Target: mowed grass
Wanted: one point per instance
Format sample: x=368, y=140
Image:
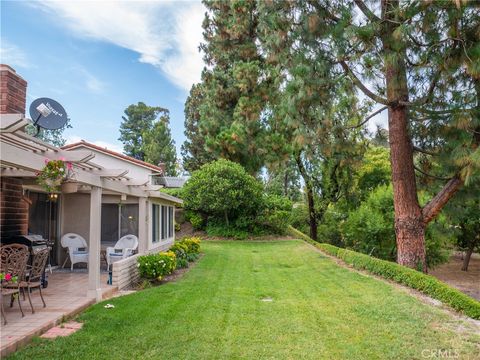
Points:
x=319, y=310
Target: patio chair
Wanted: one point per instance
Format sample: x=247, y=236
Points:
x=77, y=249
x=124, y=248
x=14, y=259
x=34, y=278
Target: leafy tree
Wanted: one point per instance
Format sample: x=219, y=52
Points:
x=312, y=113
x=284, y=180
x=194, y=151
x=138, y=120
x=223, y=191
x=159, y=147
x=232, y=87
x=370, y=229
x=464, y=213
x=54, y=137
x=420, y=61
x=373, y=171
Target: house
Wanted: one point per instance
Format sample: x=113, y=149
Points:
x=117, y=194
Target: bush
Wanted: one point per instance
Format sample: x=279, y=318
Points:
x=222, y=230
x=276, y=213
x=222, y=190
x=156, y=266
x=181, y=252
x=196, y=220
x=370, y=229
x=192, y=243
x=414, y=279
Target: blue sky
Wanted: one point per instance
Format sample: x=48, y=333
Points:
x=96, y=58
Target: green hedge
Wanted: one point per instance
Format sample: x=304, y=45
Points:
x=427, y=284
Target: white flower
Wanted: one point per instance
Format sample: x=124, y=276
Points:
x=109, y=306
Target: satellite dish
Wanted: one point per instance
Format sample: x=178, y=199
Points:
x=47, y=114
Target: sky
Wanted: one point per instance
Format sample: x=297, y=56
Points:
x=97, y=58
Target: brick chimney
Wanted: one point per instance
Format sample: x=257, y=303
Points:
x=13, y=91
x=13, y=204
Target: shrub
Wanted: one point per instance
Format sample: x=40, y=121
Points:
x=192, y=243
x=196, y=220
x=222, y=190
x=370, y=229
x=414, y=279
x=276, y=213
x=181, y=252
x=156, y=266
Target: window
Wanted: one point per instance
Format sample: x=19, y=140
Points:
x=155, y=222
x=118, y=220
x=170, y=221
x=164, y=222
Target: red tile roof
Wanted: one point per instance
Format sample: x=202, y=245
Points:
x=86, y=144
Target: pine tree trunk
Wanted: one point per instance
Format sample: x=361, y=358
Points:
x=409, y=225
x=312, y=218
x=466, y=259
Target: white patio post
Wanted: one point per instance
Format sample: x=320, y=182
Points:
x=142, y=225
x=94, y=288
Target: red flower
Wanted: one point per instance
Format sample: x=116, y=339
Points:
x=8, y=277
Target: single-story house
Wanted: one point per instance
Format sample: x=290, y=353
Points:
x=116, y=195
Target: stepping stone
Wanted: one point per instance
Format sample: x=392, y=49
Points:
x=62, y=330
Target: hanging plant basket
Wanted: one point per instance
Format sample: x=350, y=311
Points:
x=69, y=187
x=55, y=174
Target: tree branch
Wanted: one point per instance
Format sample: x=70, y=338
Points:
x=434, y=206
x=367, y=118
x=362, y=87
x=430, y=175
x=367, y=12
x=416, y=148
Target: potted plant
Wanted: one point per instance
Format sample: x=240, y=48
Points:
x=56, y=175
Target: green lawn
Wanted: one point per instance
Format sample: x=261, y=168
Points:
x=319, y=311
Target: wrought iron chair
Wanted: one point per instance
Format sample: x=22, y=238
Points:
x=14, y=259
x=34, y=279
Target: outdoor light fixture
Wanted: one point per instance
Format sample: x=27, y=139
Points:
x=53, y=197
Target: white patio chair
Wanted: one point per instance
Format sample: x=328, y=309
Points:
x=122, y=249
x=77, y=248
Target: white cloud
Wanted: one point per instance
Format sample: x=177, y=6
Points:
x=110, y=146
x=12, y=55
x=164, y=34
x=92, y=83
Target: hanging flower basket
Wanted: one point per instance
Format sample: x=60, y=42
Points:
x=69, y=187
x=54, y=174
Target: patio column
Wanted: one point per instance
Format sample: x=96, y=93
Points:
x=142, y=225
x=94, y=288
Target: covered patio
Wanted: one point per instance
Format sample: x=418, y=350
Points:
x=65, y=297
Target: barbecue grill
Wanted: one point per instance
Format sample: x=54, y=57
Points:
x=34, y=243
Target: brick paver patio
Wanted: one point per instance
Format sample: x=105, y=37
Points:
x=66, y=295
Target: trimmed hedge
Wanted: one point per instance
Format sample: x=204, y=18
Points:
x=424, y=283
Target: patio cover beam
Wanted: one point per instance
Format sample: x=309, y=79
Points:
x=10, y=123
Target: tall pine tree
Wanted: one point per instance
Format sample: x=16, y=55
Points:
x=233, y=90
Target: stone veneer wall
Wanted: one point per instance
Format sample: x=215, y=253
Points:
x=125, y=272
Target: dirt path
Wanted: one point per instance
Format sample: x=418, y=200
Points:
x=465, y=281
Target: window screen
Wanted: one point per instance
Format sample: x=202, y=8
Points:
x=164, y=222
x=155, y=227
x=170, y=221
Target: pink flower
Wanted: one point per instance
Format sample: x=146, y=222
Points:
x=62, y=158
x=69, y=166
x=46, y=161
x=8, y=277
